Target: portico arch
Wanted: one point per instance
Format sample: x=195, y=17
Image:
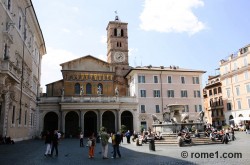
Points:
x=90, y=123
x=71, y=124
x=50, y=121
x=127, y=120
x=108, y=121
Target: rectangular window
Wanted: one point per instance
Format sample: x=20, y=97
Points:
x=200, y=108
x=13, y=114
x=248, y=88
x=229, y=106
x=183, y=80
x=246, y=75
x=239, y=104
x=210, y=92
x=157, y=93
x=237, y=91
x=144, y=125
x=186, y=108
x=197, y=93
x=219, y=89
x=157, y=108
x=248, y=101
x=141, y=79
x=143, y=110
x=195, y=108
x=170, y=93
x=215, y=91
x=143, y=93
x=228, y=92
x=169, y=79
x=184, y=93
x=196, y=80
x=155, y=79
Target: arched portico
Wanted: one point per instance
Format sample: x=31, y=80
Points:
x=50, y=121
x=127, y=120
x=108, y=121
x=90, y=123
x=71, y=124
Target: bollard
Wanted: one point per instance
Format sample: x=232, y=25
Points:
x=152, y=145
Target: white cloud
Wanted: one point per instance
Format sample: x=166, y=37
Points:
x=171, y=16
x=51, y=69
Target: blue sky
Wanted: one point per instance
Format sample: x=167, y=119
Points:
x=192, y=34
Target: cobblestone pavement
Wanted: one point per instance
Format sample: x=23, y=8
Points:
x=31, y=152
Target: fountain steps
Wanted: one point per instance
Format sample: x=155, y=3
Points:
x=172, y=140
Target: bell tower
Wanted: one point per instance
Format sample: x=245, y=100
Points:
x=117, y=42
x=117, y=52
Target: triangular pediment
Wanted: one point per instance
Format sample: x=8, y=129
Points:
x=87, y=63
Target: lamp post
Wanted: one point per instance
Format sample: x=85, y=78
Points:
x=21, y=84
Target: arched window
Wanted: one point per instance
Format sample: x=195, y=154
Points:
x=115, y=32
x=122, y=32
x=88, y=88
x=77, y=88
x=100, y=88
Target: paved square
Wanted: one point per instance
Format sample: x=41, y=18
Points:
x=31, y=152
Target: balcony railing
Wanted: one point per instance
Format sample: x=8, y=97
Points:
x=11, y=69
x=88, y=99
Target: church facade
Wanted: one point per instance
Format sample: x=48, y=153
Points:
x=93, y=93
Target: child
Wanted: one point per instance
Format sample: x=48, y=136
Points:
x=91, y=146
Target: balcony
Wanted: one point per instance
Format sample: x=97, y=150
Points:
x=89, y=99
x=9, y=68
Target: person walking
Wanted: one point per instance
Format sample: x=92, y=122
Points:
x=128, y=135
x=91, y=145
x=104, y=143
x=48, y=143
x=54, y=143
x=81, y=140
x=116, y=140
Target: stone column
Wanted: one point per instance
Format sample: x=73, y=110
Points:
x=82, y=120
x=63, y=120
x=99, y=120
x=118, y=123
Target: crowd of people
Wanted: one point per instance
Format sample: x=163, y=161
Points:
x=224, y=135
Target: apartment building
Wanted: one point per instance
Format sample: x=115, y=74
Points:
x=235, y=78
x=157, y=87
x=213, y=102
x=22, y=47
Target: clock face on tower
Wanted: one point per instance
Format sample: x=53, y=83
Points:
x=119, y=57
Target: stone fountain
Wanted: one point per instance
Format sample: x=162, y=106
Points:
x=174, y=120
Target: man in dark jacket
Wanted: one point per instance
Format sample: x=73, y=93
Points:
x=54, y=143
x=116, y=140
